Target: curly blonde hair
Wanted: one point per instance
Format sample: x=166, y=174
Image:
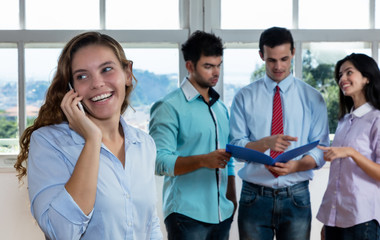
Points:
x=50, y=112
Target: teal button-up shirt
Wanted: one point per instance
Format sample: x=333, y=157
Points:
x=183, y=124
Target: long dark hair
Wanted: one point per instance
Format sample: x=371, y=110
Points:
x=368, y=67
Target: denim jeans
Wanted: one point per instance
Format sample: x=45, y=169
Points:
x=364, y=231
x=266, y=212
x=181, y=227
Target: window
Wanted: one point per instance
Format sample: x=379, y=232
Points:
x=256, y=14
x=9, y=14
x=8, y=95
x=318, y=70
x=240, y=66
x=68, y=14
x=337, y=14
x=142, y=14
x=152, y=32
x=323, y=31
x=40, y=64
x=156, y=71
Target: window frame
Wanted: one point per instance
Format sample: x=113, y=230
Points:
x=193, y=15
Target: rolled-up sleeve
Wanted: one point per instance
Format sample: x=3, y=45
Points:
x=163, y=127
x=54, y=209
x=319, y=130
x=239, y=132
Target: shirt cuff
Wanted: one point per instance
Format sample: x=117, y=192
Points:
x=165, y=165
x=231, y=167
x=317, y=155
x=65, y=205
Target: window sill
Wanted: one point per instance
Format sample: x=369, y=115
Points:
x=7, y=161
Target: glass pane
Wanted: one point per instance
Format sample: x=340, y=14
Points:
x=9, y=14
x=156, y=75
x=327, y=14
x=256, y=14
x=319, y=60
x=377, y=14
x=62, y=14
x=40, y=65
x=142, y=14
x=240, y=67
x=8, y=100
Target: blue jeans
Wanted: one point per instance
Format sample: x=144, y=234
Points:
x=265, y=212
x=364, y=231
x=181, y=227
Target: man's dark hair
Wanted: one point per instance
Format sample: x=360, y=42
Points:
x=201, y=43
x=275, y=36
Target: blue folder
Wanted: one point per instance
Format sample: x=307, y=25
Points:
x=251, y=155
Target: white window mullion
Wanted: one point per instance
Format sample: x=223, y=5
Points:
x=295, y=14
x=372, y=13
x=22, y=12
x=196, y=15
x=102, y=14
x=212, y=15
x=298, y=59
x=372, y=25
x=212, y=22
x=21, y=88
x=375, y=50
x=184, y=23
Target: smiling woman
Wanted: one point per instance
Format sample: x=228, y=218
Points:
x=79, y=164
x=101, y=82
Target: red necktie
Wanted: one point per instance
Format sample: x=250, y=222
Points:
x=277, y=122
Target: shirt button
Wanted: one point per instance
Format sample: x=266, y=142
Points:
x=127, y=196
x=129, y=223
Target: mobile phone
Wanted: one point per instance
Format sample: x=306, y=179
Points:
x=80, y=106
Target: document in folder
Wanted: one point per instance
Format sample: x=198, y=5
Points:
x=251, y=155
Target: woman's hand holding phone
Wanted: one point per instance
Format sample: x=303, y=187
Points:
x=79, y=103
x=78, y=121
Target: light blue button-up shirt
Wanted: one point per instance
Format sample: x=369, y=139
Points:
x=182, y=125
x=304, y=115
x=352, y=196
x=125, y=198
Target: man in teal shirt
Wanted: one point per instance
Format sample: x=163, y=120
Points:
x=190, y=127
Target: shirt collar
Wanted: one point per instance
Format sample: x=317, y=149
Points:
x=130, y=136
x=284, y=84
x=192, y=93
x=362, y=110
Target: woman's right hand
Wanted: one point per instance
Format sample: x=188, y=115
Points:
x=323, y=233
x=78, y=121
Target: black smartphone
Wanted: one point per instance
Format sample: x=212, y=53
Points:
x=79, y=103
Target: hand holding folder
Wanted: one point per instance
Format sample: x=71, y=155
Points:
x=251, y=155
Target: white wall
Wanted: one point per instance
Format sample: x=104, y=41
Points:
x=16, y=222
